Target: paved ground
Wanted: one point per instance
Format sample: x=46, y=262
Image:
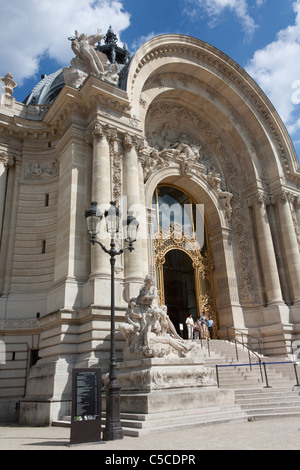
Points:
x=273, y=434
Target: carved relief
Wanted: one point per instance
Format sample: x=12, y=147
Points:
x=117, y=165
x=38, y=170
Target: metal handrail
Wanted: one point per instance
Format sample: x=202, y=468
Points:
x=242, y=333
x=260, y=363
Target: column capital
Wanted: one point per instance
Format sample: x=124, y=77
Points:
x=297, y=201
x=7, y=159
x=96, y=132
x=282, y=197
x=259, y=199
x=130, y=141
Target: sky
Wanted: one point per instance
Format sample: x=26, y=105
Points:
x=262, y=36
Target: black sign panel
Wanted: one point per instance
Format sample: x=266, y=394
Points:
x=86, y=406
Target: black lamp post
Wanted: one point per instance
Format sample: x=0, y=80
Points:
x=113, y=429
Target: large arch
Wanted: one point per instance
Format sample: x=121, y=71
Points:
x=226, y=90
x=183, y=87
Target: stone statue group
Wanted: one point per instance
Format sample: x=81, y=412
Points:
x=148, y=330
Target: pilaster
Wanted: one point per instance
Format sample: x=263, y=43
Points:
x=283, y=200
x=6, y=161
x=71, y=256
x=9, y=222
x=266, y=249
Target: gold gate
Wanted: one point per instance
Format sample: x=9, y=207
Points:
x=175, y=239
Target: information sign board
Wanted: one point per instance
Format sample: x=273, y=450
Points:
x=86, y=406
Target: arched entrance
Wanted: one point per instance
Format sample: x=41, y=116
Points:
x=179, y=288
x=183, y=258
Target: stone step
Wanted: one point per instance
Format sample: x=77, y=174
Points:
x=172, y=426
x=270, y=404
x=137, y=424
x=240, y=399
x=274, y=411
x=166, y=419
x=272, y=415
x=173, y=414
x=259, y=391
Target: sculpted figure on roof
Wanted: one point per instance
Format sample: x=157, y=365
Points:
x=88, y=60
x=84, y=48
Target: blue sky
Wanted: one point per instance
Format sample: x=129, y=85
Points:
x=263, y=36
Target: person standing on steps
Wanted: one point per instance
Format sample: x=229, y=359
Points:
x=190, y=326
x=210, y=324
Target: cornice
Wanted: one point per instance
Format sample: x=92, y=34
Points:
x=21, y=128
x=94, y=93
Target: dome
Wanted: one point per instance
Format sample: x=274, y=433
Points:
x=47, y=89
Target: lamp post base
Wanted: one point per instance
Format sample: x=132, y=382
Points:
x=113, y=429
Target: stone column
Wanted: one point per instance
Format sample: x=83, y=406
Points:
x=134, y=260
x=5, y=162
x=101, y=192
x=266, y=249
x=291, y=247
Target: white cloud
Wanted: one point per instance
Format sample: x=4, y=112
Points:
x=276, y=68
x=137, y=43
x=215, y=9
x=31, y=29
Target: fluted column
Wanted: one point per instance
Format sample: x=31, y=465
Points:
x=266, y=249
x=5, y=162
x=291, y=247
x=134, y=260
x=101, y=191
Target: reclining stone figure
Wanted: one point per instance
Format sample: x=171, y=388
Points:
x=148, y=330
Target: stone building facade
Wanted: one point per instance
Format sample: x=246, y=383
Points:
x=179, y=121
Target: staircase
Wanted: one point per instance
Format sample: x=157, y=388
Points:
x=269, y=403
x=252, y=399
x=276, y=397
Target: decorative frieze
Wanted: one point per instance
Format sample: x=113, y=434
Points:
x=40, y=171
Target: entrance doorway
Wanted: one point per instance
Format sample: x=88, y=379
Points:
x=184, y=267
x=179, y=288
